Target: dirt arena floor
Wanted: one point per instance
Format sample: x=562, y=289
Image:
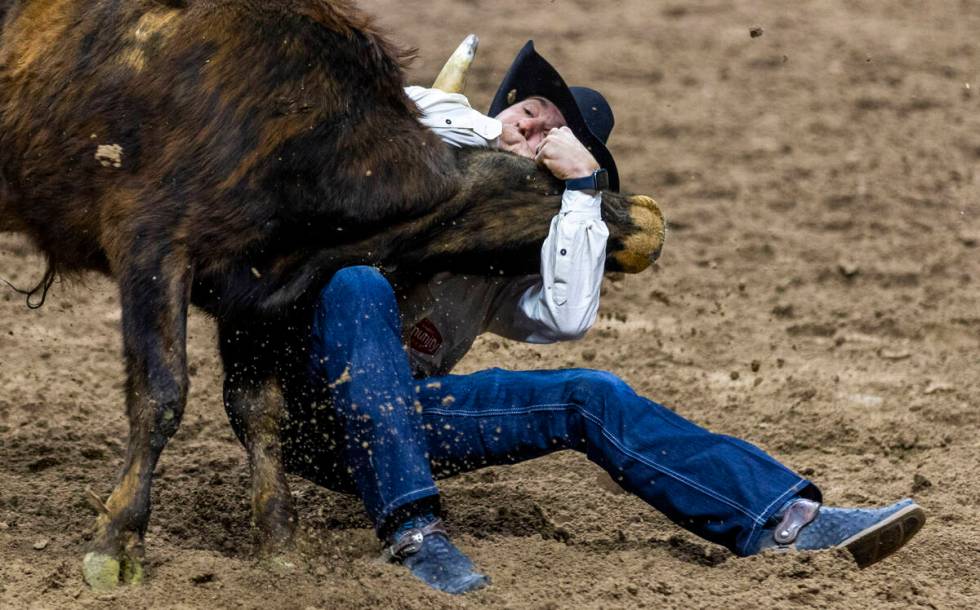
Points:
x=819, y=295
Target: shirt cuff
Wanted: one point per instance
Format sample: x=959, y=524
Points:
x=582, y=202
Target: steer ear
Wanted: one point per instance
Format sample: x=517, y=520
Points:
x=452, y=78
x=636, y=233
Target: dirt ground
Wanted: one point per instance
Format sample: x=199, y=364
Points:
x=819, y=295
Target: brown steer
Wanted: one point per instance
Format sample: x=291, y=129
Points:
x=234, y=154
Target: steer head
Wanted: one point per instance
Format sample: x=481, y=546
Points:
x=494, y=224
x=503, y=210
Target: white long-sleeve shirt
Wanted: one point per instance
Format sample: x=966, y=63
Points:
x=443, y=317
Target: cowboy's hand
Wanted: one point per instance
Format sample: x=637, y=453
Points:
x=565, y=156
x=512, y=140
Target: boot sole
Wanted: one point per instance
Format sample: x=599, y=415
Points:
x=885, y=537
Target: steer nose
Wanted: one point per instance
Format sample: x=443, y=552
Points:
x=643, y=245
x=656, y=254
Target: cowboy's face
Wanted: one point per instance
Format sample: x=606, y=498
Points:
x=526, y=124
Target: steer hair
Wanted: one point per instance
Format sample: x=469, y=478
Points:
x=241, y=130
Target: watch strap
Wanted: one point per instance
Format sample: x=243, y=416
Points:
x=597, y=181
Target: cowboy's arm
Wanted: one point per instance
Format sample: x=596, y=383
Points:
x=452, y=118
x=562, y=302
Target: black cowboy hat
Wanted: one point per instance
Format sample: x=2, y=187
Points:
x=585, y=110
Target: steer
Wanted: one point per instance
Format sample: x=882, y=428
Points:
x=233, y=155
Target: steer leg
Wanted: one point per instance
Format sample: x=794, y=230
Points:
x=154, y=293
x=255, y=405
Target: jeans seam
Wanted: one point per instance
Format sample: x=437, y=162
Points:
x=488, y=413
x=756, y=519
x=748, y=513
x=377, y=480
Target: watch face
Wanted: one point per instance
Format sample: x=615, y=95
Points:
x=601, y=180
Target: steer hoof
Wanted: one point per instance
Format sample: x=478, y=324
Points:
x=104, y=572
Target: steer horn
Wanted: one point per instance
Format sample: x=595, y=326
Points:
x=452, y=78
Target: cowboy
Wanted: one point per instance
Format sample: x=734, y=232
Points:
x=398, y=420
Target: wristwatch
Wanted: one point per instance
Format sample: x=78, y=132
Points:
x=597, y=181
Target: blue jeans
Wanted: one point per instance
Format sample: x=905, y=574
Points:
x=399, y=433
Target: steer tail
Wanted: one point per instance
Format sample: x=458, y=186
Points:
x=39, y=293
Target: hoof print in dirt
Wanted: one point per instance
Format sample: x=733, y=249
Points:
x=281, y=564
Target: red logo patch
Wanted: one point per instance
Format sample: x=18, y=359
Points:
x=425, y=337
